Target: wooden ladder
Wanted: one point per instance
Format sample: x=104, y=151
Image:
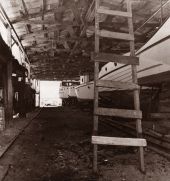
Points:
x=133, y=86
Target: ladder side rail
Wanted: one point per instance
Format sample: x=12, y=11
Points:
x=96, y=91
x=136, y=92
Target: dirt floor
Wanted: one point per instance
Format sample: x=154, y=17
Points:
x=56, y=147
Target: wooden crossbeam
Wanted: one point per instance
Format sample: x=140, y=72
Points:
x=76, y=12
x=123, y=113
x=41, y=40
x=88, y=18
x=55, y=77
x=117, y=84
x=43, y=10
x=35, y=15
x=102, y=140
x=44, y=22
x=101, y=10
x=41, y=49
x=108, y=57
x=115, y=35
x=24, y=7
x=49, y=30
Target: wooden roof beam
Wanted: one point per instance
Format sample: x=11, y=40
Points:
x=45, y=22
x=44, y=41
x=25, y=11
x=57, y=72
x=43, y=10
x=153, y=15
x=35, y=15
x=89, y=14
x=49, y=30
x=59, y=78
x=76, y=13
x=24, y=7
x=49, y=71
x=50, y=48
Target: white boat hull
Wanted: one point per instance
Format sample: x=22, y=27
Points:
x=64, y=92
x=72, y=92
x=153, y=58
x=85, y=91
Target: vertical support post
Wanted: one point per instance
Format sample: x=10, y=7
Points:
x=9, y=91
x=136, y=92
x=39, y=92
x=95, y=126
x=22, y=101
x=5, y=97
x=9, y=81
x=96, y=93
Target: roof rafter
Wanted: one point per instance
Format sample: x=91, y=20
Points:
x=36, y=15
x=50, y=29
x=23, y=8
x=43, y=10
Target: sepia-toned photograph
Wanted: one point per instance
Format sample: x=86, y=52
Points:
x=85, y=90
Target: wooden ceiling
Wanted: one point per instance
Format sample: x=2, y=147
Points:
x=58, y=35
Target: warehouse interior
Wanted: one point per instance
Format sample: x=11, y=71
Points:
x=84, y=90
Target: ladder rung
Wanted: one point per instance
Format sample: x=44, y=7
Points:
x=114, y=13
x=123, y=113
x=117, y=84
x=109, y=57
x=115, y=35
x=102, y=140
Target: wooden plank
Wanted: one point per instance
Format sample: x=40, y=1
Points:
x=115, y=35
x=123, y=113
x=37, y=34
x=114, y=13
x=102, y=140
x=23, y=8
x=43, y=22
x=43, y=10
x=109, y=57
x=36, y=15
x=160, y=115
x=117, y=84
x=76, y=13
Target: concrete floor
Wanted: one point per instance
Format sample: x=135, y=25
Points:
x=56, y=147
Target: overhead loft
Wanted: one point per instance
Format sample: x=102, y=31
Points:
x=58, y=35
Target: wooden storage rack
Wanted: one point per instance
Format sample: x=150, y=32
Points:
x=133, y=86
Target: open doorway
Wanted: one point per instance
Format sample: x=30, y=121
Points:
x=49, y=94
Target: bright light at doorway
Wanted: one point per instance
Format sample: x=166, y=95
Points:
x=49, y=94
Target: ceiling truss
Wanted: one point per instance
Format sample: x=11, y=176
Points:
x=58, y=35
